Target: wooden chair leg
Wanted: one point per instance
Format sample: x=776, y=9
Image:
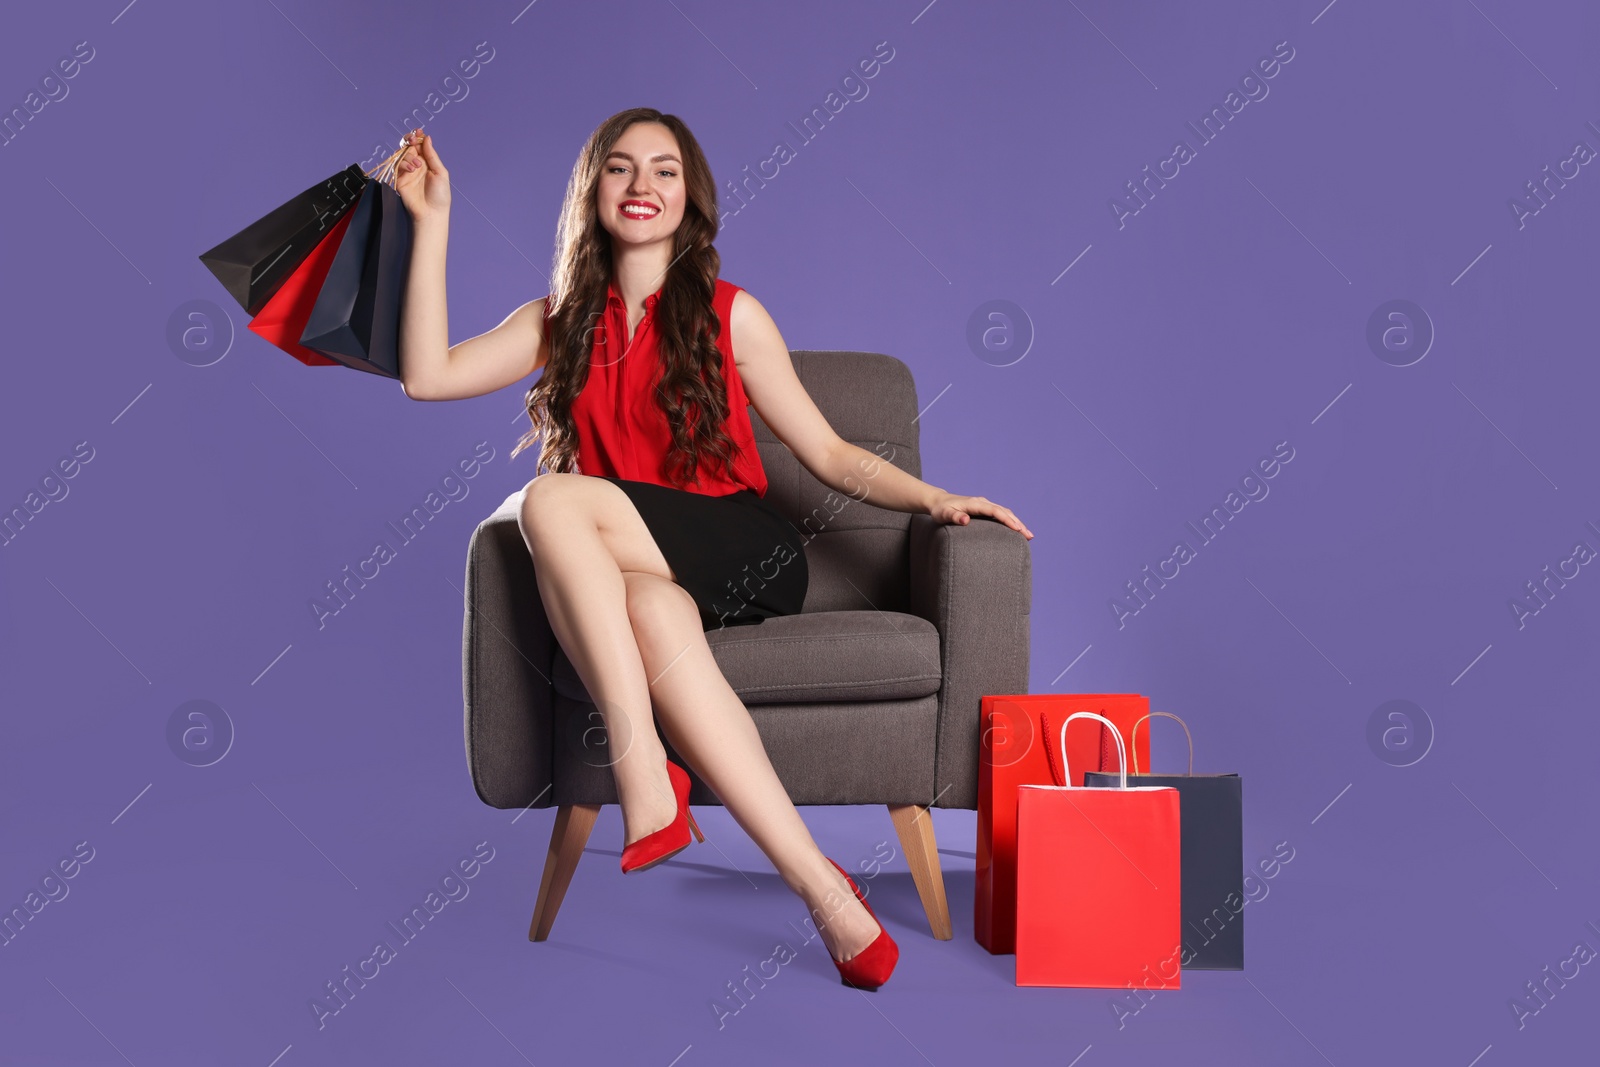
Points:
x=567, y=838
x=914, y=825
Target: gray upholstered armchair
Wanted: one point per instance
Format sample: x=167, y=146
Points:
x=869, y=696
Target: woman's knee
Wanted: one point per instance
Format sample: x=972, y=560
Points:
x=658, y=606
x=548, y=499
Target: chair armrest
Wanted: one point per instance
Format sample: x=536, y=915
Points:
x=974, y=583
x=507, y=651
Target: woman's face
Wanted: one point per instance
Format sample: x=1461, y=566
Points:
x=641, y=196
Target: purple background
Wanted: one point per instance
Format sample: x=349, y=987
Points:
x=1229, y=314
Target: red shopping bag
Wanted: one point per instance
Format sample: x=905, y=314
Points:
x=1098, y=882
x=1013, y=751
x=284, y=317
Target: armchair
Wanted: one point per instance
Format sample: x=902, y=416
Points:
x=869, y=695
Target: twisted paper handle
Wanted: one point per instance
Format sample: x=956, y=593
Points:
x=1122, y=755
x=386, y=171
x=1174, y=718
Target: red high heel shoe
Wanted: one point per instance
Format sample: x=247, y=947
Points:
x=871, y=967
x=671, y=839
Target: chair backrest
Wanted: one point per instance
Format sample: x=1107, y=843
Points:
x=858, y=555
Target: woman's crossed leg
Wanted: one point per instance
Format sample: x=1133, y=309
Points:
x=635, y=638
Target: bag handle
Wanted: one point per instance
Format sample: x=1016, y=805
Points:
x=385, y=171
x=1174, y=718
x=1122, y=755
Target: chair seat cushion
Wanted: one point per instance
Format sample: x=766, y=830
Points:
x=816, y=657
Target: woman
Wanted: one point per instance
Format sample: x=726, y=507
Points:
x=654, y=497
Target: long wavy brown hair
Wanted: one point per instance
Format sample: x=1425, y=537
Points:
x=692, y=391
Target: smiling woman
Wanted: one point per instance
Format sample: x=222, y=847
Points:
x=665, y=422
x=650, y=525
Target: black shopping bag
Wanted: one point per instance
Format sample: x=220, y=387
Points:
x=254, y=262
x=1211, y=833
x=356, y=319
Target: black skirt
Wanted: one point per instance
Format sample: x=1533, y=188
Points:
x=739, y=559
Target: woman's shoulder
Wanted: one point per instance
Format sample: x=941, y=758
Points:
x=722, y=299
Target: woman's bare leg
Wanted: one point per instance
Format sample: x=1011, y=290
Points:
x=711, y=729
x=581, y=533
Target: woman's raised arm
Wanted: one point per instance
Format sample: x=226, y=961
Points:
x=430, y=367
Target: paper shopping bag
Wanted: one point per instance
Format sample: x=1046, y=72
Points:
x=284, y=316
x=254, y=262
x=1212, y=812
x=1012, y=752
x=1098, y=883
x=356, y=320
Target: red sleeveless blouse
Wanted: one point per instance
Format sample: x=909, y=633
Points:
x=622, y=431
